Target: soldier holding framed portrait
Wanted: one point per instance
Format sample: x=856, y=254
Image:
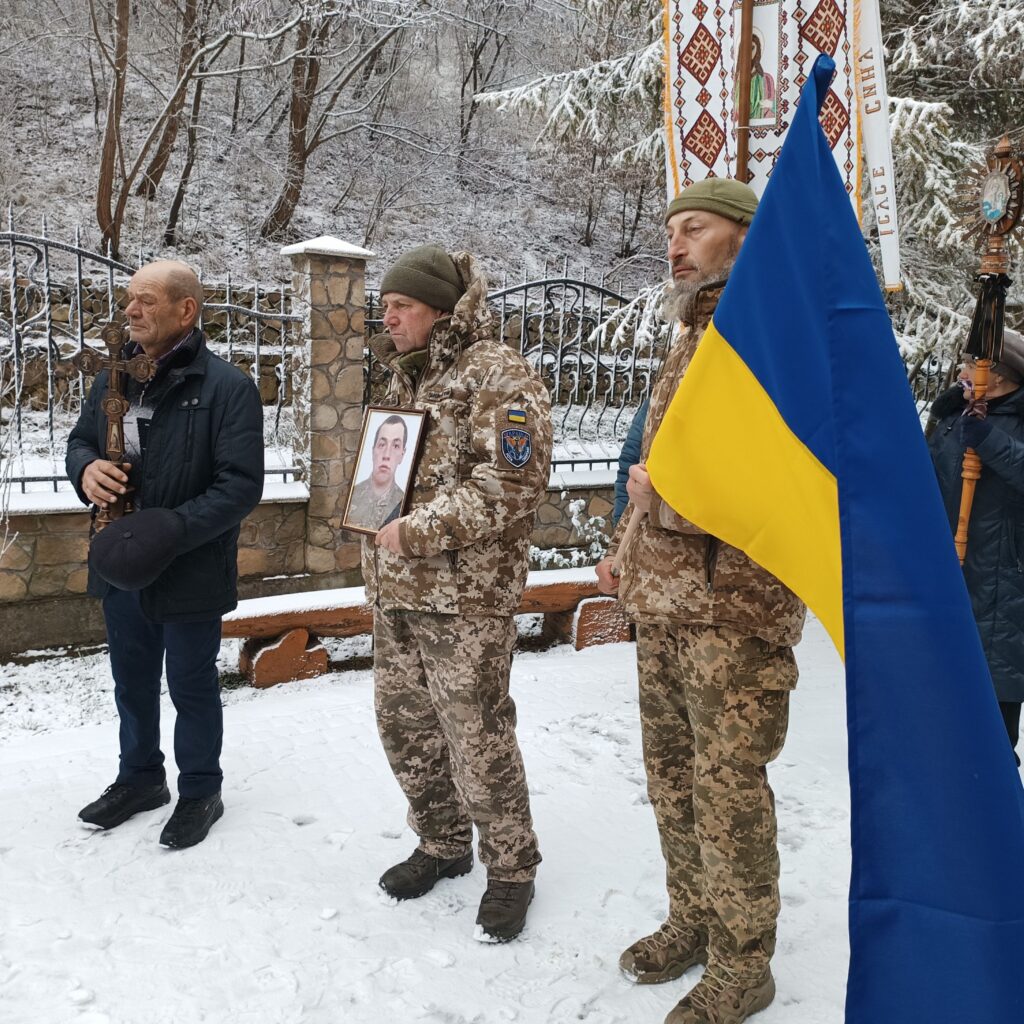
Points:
x=446, y=578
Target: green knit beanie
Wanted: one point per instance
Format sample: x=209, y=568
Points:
x=730, y=199
x=426, y=273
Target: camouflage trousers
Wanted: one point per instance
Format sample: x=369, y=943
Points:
x=447, y=722
x=714, y=708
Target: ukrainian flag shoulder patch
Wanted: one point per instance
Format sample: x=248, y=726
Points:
x=516, y=416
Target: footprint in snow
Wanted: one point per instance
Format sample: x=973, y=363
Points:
x=440, y=957
x=81, y=996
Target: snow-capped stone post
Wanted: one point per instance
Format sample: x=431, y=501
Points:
x=328, y=286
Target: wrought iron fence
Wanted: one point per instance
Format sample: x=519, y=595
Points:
x=58, y=295
x=597, y=351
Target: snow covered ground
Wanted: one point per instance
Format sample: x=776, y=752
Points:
x=277, y=919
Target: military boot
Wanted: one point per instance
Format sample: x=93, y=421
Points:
x=664, y=955
x=724, y=997
x=503, y=910
x=417, y=875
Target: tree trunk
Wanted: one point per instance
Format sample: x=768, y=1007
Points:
x=189, y=44
x=627, y=247
x=305, y=73
x=171, y=230
x=109, y=225
x=475, y=77
x=238, y=87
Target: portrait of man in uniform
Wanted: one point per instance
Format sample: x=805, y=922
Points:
x=385, y=454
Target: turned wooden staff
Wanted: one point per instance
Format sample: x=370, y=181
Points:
x=971, y=471
x=635, y=519
x=115, y=403
x=744, y=59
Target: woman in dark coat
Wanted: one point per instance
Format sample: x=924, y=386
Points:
x=994, y=567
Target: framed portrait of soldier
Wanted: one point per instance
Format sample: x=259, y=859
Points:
x=389, y=447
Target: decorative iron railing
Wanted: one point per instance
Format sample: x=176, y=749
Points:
x=597, y=351
x=58, y=295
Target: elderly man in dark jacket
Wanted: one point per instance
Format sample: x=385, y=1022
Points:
x=994, y=567
x=166, y=574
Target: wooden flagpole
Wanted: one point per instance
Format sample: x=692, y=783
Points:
x=635, y=519
x=743, y=69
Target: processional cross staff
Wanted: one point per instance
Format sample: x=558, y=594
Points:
x=115, y=402
x=997, y=188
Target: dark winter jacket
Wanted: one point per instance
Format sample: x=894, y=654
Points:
x=994, y=567
x=629, y=456
x=204, y=460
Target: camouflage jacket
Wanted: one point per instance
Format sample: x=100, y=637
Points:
x=482, y=473
x=372, y=510
x=673, y=572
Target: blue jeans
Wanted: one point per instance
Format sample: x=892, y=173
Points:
x=137, y=649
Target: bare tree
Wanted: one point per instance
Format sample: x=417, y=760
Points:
x=306, y=132
x=482, y=41
x=111, y=149
x=190, y=33
x=117, y=175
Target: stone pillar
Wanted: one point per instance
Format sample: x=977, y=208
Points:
x=328, y=285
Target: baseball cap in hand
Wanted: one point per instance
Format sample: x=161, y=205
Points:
x=133, y=551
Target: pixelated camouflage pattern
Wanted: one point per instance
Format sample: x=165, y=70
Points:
x=447, y=723
x=714, y=709
x=673, y=572
x=466, y=539
x=370, y=510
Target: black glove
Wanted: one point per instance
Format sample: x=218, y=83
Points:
x=973, y=430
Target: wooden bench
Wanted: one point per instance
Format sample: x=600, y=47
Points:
x=282, y=634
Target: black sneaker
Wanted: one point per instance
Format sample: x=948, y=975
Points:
x=191, y=821
x=120, y=801
x=421, y=872
x=503, y=911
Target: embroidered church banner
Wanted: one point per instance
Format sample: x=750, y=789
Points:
x=701, y=40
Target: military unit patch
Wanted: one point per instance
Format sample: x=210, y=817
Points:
x=516, y=446
x=516, y=416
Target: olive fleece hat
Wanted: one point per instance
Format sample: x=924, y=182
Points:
x=727, y=198
x=426, y=273
x=133, y=551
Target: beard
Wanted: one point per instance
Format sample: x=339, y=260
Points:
x=679, y=296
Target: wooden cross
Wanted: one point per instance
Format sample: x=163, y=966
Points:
x=115, y=403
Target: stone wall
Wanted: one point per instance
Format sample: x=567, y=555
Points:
x=43, y=602
x=556, y=523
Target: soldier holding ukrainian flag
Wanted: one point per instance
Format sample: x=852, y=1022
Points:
x=715, y=634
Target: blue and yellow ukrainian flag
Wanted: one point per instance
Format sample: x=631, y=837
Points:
x=794, y=436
